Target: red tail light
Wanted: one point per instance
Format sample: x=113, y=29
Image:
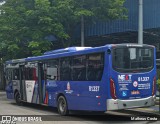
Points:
x=112, y=89
x=154, y=86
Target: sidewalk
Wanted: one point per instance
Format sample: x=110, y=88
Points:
x=155, y=110
x=157, y=100
x=2, y=92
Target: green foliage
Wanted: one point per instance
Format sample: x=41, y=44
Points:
x=26, y=23
x=158, y=73
x=158, y=82
x=158, y=76
x=69, y=13
x=38, y=47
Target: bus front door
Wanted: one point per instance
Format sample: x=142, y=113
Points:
x=43, y=94
x=22, y=83
x=41, y=83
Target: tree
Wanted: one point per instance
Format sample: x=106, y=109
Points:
x=24, y=24
x=74, y=12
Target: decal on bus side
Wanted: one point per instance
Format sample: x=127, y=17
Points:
x=144, y=86
x=124, y=93
x=122, y=78
x=135, y=83
x=68, y=88
x=29, y=90
x=143, y=78
x=135, y=92
x=94, y=88
x=124, y=81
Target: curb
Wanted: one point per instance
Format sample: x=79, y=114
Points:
x=157, y=102
x=150, y=113
x=140, y=112
x=2, y=93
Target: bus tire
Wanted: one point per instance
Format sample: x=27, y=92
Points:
x=18, y=99
x=62, y=106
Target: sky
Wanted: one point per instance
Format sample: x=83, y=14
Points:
x=1, y=3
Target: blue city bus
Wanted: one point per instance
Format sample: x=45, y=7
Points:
x=110, y=77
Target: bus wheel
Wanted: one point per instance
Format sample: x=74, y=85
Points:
x=62, y=106
x=17, y=99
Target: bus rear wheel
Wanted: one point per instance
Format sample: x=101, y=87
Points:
x=62, y=106
x=17, y=98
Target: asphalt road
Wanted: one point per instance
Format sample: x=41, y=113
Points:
x=50, y=115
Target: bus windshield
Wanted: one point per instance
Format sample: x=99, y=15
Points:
x=132, y=59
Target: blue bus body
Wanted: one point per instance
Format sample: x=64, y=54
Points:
x=117, y=89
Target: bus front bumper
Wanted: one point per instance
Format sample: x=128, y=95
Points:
x=133, y=103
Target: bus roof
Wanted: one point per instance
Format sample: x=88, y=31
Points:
x=70, y=51
x=16, y=61
x=67, y=52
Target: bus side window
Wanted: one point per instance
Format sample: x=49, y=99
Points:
x=16, y=74
x=9, y=74
x=52, y=69
x=78, y=67
x=29, y=73
x=26, y=72
x=65, y=70
x=95, y=66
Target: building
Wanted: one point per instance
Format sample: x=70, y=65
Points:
x=119, y=31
